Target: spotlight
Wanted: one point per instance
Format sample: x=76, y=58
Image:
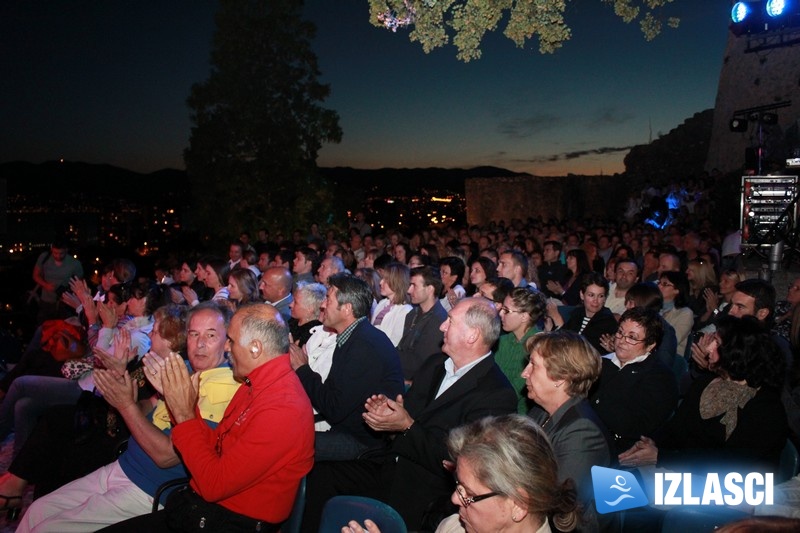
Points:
x=738, y=124
x=739, y=12
x=775, y=8
x=769, y=118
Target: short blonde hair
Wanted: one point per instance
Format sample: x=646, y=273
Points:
x=567, y=356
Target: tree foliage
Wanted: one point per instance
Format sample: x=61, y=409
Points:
x=436, y=22
x=258, y=123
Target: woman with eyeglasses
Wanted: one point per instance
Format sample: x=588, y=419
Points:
x=636, y=392
x=519, y=314
x=674, y=287
x=730, y=417
x=507, y=479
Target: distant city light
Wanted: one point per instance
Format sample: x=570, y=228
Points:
x=445, y=200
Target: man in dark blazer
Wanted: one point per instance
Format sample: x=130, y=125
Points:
x=364, y=363
x=448, y=391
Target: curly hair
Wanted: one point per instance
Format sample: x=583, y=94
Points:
x=531, y=301
x=748, y=352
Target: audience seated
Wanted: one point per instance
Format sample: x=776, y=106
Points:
x=422, y=336
x=245, y=472
x=448, y=390
x=125, y=488
x=592, y=319
x=389, y=315
x=364, y=363
x=519, y=314
x=636, y=393
x=562, y=368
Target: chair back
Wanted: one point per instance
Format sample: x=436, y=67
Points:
x=339, y=510
x=295, y=520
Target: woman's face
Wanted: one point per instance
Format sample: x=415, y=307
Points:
x=541, y=388
x=476, y=274
x=298, y=306
x=211, y=279
x=186, y=275
x=200, y=272
x=158, y=344
x=629, y=341
x=667, y=289
x=690, y=273
x=385, y=289
x=594, y=299
x=448, y=279
x=727, y=285
x=572, y=263
x=233, y=289
x=486, y=515
x=512, y=318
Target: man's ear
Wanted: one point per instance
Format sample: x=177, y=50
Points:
x=762, y=314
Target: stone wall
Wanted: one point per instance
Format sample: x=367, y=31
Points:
x=750, y=80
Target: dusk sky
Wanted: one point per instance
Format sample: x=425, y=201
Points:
x=107, y=81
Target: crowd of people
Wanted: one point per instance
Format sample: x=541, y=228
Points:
x=469, y=377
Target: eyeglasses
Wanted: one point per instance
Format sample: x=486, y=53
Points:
x=628, y=338
x=466, y=501
x=665, y=284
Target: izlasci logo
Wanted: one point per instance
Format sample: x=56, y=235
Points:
x=616, y=490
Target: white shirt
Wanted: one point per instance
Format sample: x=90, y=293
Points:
x=451, y=375
x=320, y=347
x=394, y=321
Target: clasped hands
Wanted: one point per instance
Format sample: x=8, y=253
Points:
x=383, y=414
x=643, y=453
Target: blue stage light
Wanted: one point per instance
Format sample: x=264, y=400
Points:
x=739, y=12
x=775, y=8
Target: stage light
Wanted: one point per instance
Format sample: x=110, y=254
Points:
x=769, y=118
x=775, y=8
x=738, y=124
x=739, y=12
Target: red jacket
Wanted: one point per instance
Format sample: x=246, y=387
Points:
x=253, y=461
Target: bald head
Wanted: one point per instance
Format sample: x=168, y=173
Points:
x=276, y=284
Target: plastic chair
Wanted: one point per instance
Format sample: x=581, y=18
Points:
x=789, y=465
x=295, y=520
x=683, y=520
x=177, y=482
x=339, y=510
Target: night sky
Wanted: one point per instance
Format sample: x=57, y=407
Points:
x=106, y=82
